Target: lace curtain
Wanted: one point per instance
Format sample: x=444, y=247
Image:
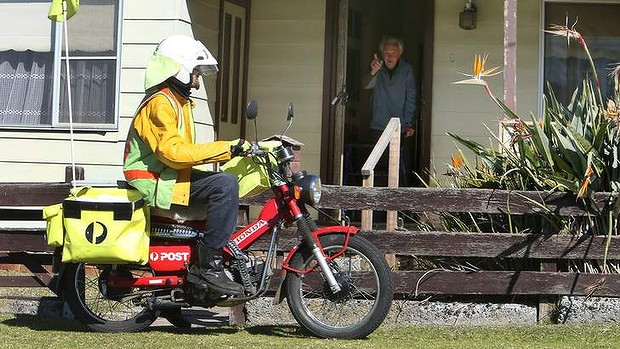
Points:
x=25, y=87
x=92, y=91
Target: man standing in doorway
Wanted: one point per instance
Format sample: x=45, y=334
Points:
x=394, y=95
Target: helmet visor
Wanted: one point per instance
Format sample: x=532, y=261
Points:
x=207, y=69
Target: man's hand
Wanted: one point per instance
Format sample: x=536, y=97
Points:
x=409, y=130
x=239, y=147
x=375, y=65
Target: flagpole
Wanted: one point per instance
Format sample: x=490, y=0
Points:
x=64, y=25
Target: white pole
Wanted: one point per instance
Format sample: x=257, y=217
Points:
x=64, y=25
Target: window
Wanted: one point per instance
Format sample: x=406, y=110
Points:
x=33, y=90
x=565, y=67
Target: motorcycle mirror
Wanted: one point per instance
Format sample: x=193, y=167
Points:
x=251, y=111
x=289, y=118
x=291, y=111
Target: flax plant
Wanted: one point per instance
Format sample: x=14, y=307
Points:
x=572, y=148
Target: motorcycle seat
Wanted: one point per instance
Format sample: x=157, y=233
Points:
x=189, y=216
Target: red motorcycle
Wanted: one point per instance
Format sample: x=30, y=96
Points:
x=338, y=284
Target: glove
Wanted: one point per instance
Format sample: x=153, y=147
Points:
x=239, y=147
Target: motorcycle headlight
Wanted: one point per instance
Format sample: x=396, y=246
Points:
x=309, y=187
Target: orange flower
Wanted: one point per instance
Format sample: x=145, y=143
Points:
x=479, y=65
x=479, y=72
x=457, y=161
x=583, y=190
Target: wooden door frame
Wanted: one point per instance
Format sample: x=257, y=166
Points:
x=330, y=88
x=330, y=59
x=247, y=5
x=426, y=92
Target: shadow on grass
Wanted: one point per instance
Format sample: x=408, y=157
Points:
x=285, y=331
x=39, y=323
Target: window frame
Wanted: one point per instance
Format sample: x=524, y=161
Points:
x=56, y=36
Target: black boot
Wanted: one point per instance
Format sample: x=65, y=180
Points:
x=210, y=273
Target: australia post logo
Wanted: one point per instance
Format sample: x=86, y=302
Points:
x=169, y=256
x=249, y=231
x=96, y=232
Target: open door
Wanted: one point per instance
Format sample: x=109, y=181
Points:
x=232, y=80
x=359, y=26
x=334, y=79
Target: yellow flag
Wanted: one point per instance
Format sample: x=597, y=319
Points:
x=55, y=13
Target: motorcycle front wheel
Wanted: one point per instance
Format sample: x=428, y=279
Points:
x=101, y=308
x=366, y=289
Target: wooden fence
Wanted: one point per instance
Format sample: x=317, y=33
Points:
x=545, y=256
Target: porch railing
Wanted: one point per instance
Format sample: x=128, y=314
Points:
x=391, y=136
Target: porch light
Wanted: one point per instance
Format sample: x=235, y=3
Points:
x=467, y=18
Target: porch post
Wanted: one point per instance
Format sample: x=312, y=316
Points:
x=510, y=63
x=510, y=53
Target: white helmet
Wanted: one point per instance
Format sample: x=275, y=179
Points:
x=177, y=56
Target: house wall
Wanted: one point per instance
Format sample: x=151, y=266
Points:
x=41, y=156
x=466, y=109
x=286, y=65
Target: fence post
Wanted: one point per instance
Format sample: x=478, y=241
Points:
x=368, y=182
x=393, y=173
x=391, y=136
x=79, y=174
x=546, y=303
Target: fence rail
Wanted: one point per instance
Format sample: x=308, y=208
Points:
x=544, y=256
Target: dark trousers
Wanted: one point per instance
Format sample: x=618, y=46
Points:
x=219, y=193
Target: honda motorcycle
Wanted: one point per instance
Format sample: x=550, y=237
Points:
x=337, y=284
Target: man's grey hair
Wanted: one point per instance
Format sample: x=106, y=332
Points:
x=390, y=40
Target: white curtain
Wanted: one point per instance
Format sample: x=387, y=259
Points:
x=25, y=87
x=92, y=91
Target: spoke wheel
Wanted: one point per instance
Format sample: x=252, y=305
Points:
x=362, y=303
x=103, y=308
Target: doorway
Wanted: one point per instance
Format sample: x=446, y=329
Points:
x=232, y=80
x=368, y=21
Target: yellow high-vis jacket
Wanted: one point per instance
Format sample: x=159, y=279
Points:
x=161, y=150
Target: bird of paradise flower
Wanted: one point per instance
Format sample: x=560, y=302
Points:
x=583, y=189
x=476, y=78
x=479, y=72
x=570, y=33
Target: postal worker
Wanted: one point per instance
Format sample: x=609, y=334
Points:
x=161, y=153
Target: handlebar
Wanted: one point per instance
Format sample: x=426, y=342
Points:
x=263, y=147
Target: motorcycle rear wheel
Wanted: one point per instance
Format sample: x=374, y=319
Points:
x=99, y=312
x=363, y=303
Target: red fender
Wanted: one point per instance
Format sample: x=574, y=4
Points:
x=335, y=229
x=348, y=231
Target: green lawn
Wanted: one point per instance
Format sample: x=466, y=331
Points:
x=28, y=331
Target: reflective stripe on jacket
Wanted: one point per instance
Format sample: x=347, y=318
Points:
x=160, y=150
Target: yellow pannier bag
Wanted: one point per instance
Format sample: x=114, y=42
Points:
x=252, y=177
x=54, y=233
x=105, y=225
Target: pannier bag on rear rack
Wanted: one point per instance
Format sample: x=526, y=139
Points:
x=100, y=225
